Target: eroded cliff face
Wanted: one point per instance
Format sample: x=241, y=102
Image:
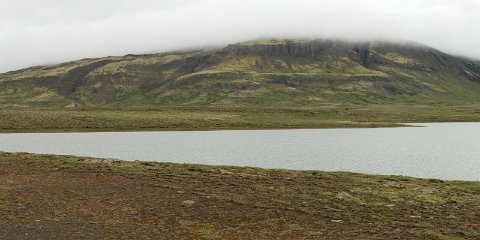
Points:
x=260, y=73
x=367, y=54
x=294, y=48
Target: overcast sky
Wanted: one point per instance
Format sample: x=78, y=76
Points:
x=37, y=32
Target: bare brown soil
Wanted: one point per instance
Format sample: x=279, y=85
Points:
x=59, y=197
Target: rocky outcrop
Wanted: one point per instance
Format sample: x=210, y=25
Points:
x=288, y=48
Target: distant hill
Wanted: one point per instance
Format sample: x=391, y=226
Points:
x=270, y=73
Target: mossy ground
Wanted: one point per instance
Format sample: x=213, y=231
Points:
x=63, y=197
x=209, y=118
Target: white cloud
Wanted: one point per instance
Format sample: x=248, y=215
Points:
x=34, y=32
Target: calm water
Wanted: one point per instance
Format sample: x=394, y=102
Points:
x=438, y=150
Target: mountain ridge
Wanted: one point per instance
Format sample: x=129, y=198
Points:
x=267, y=73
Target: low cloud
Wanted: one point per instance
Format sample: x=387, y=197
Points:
x=36, y=32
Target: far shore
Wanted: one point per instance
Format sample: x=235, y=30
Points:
x=29, y=120
x=86, y=130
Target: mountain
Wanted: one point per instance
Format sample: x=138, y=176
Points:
x=266, y=73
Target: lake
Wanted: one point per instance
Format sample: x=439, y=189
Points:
x=449, y=151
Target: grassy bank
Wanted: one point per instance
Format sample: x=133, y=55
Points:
x=58, y=197
x=182, y=118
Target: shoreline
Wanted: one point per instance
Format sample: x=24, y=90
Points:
x=147, y=162
x=89, y=130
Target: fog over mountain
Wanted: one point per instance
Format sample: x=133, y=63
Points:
x=37, y=32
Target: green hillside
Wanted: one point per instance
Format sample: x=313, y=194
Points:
x=273, y=73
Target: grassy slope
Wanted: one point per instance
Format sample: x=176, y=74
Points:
x=275, y=74
x=51, y=197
